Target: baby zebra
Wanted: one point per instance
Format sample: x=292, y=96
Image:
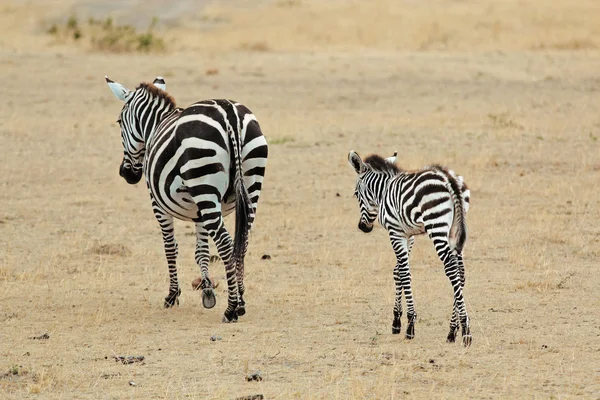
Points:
x=433, y=200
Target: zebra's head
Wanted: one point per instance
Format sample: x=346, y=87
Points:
x=373, y=173
x=366, y=199
x=132, y=138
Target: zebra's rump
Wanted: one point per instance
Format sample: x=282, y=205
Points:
x=190, y=163
x=423, y=200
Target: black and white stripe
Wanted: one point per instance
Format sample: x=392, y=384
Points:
x=200, y=163
x=434, y=201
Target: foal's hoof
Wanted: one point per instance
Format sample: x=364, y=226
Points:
x=410, y=332
x=452, y=335
x=208, y=298
x=467, y=339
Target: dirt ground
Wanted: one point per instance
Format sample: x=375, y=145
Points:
x=507, y=93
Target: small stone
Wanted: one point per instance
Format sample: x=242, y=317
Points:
x=131, y=383
x=265, y=257
x=45, y=336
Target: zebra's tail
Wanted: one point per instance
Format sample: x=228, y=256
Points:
x=243, y=205
x=458, y=231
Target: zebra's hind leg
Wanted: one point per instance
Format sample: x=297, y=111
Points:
x=224, y=245
x=209, y=299
x=452, y=270
x=454, y=319
x=397, y=323
x=401, y=245
x=170, y=244
x=239, y=271
x=453, y=325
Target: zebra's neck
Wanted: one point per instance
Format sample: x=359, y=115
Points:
x=378, y=184
x=150, y=121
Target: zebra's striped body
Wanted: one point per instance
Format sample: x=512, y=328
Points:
x=432, y=201
x=200, y=163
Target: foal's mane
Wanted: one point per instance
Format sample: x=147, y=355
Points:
x=380, y=164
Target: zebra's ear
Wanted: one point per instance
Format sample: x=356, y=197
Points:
x=120, y=91
x=356, y=162
x=159, y=82
x=392, y=159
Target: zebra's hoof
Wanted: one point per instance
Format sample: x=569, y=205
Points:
x=172, y=299
x=410, y=332
x=208, y=298
x=232, y=317
x=467, y=340
x=395, y=331
x=452, y=335
x=171, y=302
x=241, y=310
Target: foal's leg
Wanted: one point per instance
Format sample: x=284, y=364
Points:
x=454, y=319
x=400, y=244
x=452, y=269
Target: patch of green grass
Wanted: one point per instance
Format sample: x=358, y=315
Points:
x=106, y=35
x=282, y=140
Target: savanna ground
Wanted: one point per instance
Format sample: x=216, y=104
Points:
x=507, y=93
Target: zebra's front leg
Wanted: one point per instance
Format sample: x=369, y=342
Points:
x=452, y=270
x=224, y=245
x=171, y=249
x=401, y=245
x=209, y=299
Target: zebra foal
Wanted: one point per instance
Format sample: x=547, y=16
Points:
x=434, y=201
x=200, y=163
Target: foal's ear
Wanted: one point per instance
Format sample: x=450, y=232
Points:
x=120, y=91
x=356, y=162
x=159, y=82
x=392, y=159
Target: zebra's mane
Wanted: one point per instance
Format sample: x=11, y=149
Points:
x=156, y=92
x=378, y=163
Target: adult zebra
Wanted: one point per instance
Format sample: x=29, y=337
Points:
x=200, y=163
x=433, y=200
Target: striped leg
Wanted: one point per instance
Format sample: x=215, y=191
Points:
x=224, y=245
x=168, y=234
x=208, y=294
x=402, y=277
x=454, y=319
x=452, y=269
x=396, y=323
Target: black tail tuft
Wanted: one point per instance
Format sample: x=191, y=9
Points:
x=460, y=223
x=243, y=209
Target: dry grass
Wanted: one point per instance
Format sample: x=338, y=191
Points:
x=504, y=92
